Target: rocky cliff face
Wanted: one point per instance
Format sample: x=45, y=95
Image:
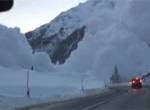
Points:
x=58, y=49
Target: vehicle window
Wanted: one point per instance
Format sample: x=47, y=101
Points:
x=74, y=54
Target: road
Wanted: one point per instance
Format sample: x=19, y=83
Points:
x=121, y=99
x=132, y=100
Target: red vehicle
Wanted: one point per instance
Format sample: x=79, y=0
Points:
x=136, y=83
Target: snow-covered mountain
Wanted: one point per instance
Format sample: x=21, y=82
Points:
x=103, y=33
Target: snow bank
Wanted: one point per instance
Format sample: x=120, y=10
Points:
x=42, y=84
x=44, y=87
x=10, y=103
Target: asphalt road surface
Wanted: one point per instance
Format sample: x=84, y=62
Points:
x=132, y=100
x=128, y=99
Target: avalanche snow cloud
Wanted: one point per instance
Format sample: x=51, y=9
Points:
x=116, y=33
x=15, y=52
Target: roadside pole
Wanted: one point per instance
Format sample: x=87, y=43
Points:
x=28, y=89
x=82, y=85
x=83, y=77
x=28, y=81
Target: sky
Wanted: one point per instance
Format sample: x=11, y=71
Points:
x=30, y=14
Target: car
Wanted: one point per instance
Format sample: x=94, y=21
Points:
x=136, y=83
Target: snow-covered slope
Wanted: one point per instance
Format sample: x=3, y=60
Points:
x=111, y=32
x=15, y=52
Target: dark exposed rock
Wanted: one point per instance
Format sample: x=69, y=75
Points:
x=62, y=48
x=66, y=46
